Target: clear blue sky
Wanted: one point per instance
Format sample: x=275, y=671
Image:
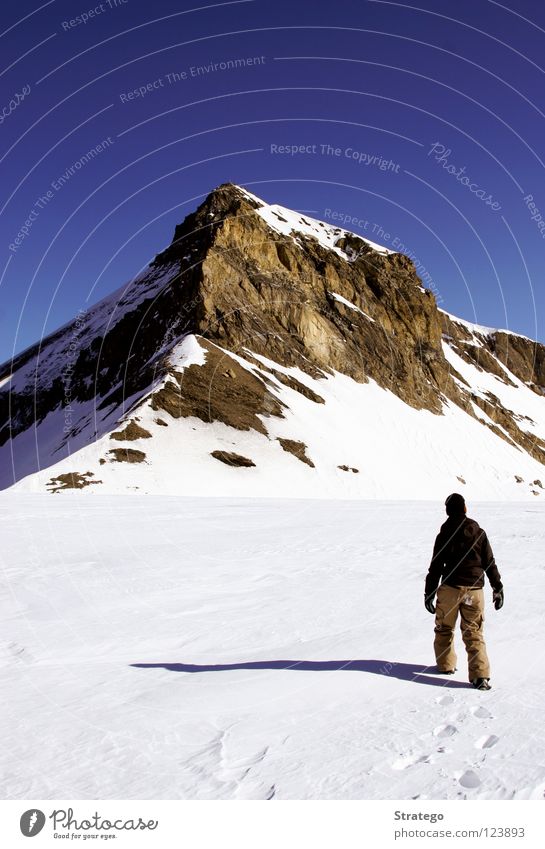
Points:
x=379, y=81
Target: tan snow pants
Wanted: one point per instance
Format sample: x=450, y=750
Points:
x=470, y=604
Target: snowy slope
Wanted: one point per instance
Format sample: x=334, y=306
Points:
x=288, y=222
x=480, y=330
x=396, y=449
x=54, y=351
x=163, y=648
x=527, y=404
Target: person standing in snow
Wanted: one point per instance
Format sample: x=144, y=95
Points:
x=461, y=557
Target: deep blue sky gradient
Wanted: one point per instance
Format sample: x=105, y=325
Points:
x=377, y=78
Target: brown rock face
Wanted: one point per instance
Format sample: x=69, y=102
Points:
x=298, y=449
x=526, y=359
x=220, y=390
x=130, y=433
x=523, y=358
x=252, y=288
x=232, y=459
x=127, y=455
x=71, y=480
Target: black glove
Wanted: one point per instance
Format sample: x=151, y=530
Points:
x=497, y=598
x=429, y=605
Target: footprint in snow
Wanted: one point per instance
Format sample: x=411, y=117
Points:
x=405, y=761
x=486, y=742
x=469, y=779
x=256, y=790
x=444, y=700
x=445, y=730
x=15, y=651
x=481, y=712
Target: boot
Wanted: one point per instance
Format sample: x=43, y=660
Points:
x=481, y=683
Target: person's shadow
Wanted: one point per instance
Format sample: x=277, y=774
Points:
x=415, y=672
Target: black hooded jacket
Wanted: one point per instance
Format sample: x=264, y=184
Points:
x=462, y=555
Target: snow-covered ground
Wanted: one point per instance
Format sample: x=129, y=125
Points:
x=167, y=647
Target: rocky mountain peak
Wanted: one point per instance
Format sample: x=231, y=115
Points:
x=251, y=307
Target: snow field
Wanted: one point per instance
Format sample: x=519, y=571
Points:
x=167, y=647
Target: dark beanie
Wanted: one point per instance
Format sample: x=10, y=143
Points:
x=455, y=504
